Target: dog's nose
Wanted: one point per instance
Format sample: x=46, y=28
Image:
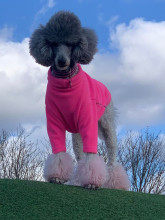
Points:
x=62, y=61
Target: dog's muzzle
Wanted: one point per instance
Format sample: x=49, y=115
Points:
x=62, y=63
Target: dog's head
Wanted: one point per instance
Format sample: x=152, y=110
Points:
x=62, y=42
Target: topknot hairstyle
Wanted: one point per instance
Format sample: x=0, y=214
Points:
x=64, y=27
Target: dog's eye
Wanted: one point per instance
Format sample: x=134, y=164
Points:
x=52, y=44
x=68, y=44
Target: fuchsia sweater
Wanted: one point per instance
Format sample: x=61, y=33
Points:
x=75, y=105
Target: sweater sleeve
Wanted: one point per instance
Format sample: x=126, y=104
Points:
x=88, y=127
x=56, y=130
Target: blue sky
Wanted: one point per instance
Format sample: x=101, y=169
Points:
x=130, y=60
x=24, y=16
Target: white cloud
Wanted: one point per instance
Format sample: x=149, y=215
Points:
x=42, y=11
x=22, y=85
x=111, y=22
x=135, y=75
x=51, y=3
x=6, y=33
x=162, y=138
x=141, y=47
x=108, y=23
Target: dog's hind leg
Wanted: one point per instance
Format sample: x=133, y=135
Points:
x=77, y=146
x=118, y=178
x=107, y=132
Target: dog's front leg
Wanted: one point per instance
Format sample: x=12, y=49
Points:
x=58, y=168
x=77, y=146
x=91, y=171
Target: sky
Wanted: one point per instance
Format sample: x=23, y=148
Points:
x=130, y=60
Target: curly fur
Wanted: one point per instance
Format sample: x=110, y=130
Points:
x=117, y=178
x=58, y=165
x=62, y=43
x=91, y=170
x=63, y=28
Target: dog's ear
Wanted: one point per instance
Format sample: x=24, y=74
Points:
x=83, y=52
x=39, y=47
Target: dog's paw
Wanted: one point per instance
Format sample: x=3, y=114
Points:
x=58, y=168
x=91, y=187
x=91, y=172
x=118, y=178
x=56, y=180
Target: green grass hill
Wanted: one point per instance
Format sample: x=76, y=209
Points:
x=28, y=200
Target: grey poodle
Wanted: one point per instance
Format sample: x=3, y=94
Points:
x=76, y=103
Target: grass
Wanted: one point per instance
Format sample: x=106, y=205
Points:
x=28, y=200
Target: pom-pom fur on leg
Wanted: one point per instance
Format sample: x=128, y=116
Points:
x=58, y=167
x=118, y=178
x=91, y=172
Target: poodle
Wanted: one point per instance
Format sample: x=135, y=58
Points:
x=76, y=103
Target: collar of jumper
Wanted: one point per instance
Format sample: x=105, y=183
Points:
x=59, y=83
x=66, y=75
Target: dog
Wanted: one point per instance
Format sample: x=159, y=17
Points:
x=76, y=103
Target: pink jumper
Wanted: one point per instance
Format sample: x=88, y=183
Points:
x=75, y=105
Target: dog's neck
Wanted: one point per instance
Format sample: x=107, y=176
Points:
x=65, y=75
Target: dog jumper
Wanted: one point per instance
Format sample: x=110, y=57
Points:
x=75, y=105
